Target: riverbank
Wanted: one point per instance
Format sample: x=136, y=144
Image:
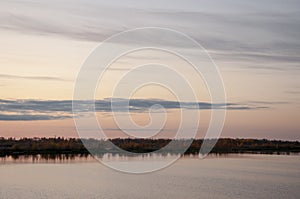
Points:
x=33, y=146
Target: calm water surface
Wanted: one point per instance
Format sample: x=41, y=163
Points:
x=229, y=176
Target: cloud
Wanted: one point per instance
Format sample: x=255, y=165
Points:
x=25, y=110
x=297, y=93
x=268, y=103
x=43, y=78
x=244, y=32
x=25, y=117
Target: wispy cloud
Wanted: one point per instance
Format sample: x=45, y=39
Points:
x=28, y=117
x=25, y=110
x=43, y=78
x=293, y=92
x=267, y=103
x=246, y=31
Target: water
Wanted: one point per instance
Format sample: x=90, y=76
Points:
x=230, y=176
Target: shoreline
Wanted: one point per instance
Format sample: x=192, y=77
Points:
x=74, y=146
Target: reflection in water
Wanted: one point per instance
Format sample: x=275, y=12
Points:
x=83, y=158
x=46, y=158
x=77, y=158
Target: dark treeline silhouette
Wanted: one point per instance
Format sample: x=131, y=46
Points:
x=32, y=146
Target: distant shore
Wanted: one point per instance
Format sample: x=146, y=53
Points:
x=34, y=146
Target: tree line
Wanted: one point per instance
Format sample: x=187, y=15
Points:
x=60, y=145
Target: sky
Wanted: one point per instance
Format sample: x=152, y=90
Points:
x=255, y=44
